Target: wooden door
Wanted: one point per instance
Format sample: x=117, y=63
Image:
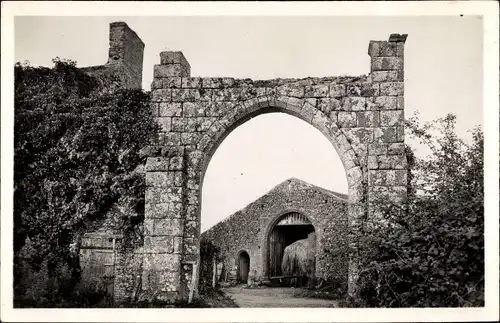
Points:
x=276, y=249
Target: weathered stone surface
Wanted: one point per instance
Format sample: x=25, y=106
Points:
x=165, y=123
x=191, y=82
x=167, y=109
x=384, y=103
x=384, y=76
x=156, y=164
x=190, y=109
x=175, y=163
x=158, y=179
x=308, y=112
x=368, y=118
x=391, y=118
x=388, y=194
x=387, y=63
x=173, y=57
x=377, y=149
x=317, y=91
x=160, y=95
x=177, y=244
x=163, y=210
x=185, y=95
x=386, y=135
x=328, y=105
x=400, y=102
x=387, y=162
x=162, y=244
x=162, y=262
x=385, y=49
x=157, y=84
x=165, y=227
x=171, y=70
x=363, y=89
x=396, y=149
x=359, y=135
x=172, y=139
x=388, y=177
x=291, y=91
x=337, y=90
x=392, y=88
x=190, y=138
x=347, y=119
x=212, y=82
x=173, y=82
x=354, y=103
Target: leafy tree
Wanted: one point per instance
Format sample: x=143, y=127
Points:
x=77, y=153
x=433, y=253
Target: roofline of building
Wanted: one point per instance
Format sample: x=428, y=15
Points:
x=335, y=195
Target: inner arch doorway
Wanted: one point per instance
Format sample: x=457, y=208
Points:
x=292, y=247
x=243, y=266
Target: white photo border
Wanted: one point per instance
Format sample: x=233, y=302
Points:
x=487, y=9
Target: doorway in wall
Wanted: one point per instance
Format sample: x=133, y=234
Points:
x=295, y=231
x=243, y=266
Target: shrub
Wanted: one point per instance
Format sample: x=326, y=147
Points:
x=431, y=254
x=208, y=251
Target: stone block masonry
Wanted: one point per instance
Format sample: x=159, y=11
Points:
x=125, y=57
x=362, y=117
x=249, y=230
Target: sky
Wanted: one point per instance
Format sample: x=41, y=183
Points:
x=443, y=74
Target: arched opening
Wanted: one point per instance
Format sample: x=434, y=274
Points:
x=291, y=251
x=261, y=153
x=243, y=266
x=199, y=160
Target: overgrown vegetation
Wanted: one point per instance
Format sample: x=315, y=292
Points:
x=208, y=252
x=432, y=254
x=77, y=154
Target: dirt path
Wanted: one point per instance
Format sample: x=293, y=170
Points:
x=273, y=297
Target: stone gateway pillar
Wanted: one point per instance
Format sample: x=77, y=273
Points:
x=362, y=117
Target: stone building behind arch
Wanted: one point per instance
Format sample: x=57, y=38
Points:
x=250, y=228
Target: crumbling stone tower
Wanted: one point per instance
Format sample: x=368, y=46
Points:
x=363, y=118
x=125, y=57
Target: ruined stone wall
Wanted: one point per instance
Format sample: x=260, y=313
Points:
x=125, y=59
x=103, y=257
x=248, y=229
x=363, y=118
x=107, y=263
x=128, y=274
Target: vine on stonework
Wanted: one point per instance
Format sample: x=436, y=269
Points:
x=77, y=154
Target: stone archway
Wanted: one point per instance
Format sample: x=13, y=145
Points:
x=284, y=235
x=363, y=118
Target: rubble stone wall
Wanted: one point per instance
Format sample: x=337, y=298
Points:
x=249, y=228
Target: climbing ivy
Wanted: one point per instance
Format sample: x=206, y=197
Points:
x=77, y=154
